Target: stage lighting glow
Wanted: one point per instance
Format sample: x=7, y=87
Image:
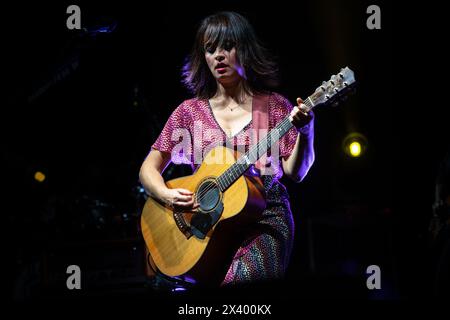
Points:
x=355, y=149
x=39, y=176
x=355, y=144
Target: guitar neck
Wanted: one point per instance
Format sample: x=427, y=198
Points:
x=233, y=173
x=328, y=93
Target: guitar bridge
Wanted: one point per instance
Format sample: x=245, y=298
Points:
x=182, y=224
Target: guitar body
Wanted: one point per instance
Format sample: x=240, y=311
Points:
x=204, y=260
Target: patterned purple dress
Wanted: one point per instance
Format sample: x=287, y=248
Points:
x=192, y=129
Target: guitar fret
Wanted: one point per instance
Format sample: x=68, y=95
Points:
x=308, y=102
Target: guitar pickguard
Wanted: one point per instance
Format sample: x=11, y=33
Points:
x=209, y=198
x=202, y=222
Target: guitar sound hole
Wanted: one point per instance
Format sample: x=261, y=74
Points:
x=208, y=195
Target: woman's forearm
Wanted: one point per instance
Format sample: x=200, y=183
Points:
x=154, y=185
x=297, y=165
x=152, y=181
x=150, y=173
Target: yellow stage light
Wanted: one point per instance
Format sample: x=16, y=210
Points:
x=354, y=144
x=355, y=149
x=39, y=176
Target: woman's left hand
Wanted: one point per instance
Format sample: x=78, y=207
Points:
x=303, y=121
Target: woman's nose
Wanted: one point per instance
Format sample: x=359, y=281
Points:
x=220, y=56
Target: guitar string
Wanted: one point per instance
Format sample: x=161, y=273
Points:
x=252, y=151
x=234, y=171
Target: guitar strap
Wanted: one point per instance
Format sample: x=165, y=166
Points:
x=260, y=119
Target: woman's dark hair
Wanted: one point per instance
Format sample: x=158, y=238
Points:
x=217, y=29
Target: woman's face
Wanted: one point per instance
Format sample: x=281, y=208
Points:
x=223, y=63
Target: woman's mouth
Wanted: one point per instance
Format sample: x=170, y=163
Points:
x=221, y=70
x=221, y=66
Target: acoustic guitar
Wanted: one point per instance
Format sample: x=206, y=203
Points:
x=200, y=244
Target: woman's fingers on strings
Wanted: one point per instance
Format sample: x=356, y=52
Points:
x=184, y=191
x=182, y=198
x=293, y=113
x=187, y=204
x=297, y=114
x=301, y=107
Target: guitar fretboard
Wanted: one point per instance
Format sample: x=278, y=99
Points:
x=230, y=175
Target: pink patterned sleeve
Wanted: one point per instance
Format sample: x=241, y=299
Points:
x=176, y=134
x=280, y=107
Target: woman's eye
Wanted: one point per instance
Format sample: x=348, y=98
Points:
x=210, y=49
x=227, y=45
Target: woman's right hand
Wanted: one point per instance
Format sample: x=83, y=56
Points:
x=179, y=198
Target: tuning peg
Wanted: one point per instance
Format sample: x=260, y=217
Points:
x=336, y=90
x=332, y=82
x=323, y=88
x=341, y=75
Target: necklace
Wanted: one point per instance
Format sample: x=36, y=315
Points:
x=238, y=106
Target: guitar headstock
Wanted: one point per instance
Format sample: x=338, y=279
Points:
x=335, y=89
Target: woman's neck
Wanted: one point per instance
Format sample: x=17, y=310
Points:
x=235, y=91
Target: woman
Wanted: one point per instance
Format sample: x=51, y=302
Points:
x=226, y=70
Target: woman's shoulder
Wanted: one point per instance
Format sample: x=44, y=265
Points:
x=188, y=106
x=193, y=102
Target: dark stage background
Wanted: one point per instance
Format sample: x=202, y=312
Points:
x=84, y=107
